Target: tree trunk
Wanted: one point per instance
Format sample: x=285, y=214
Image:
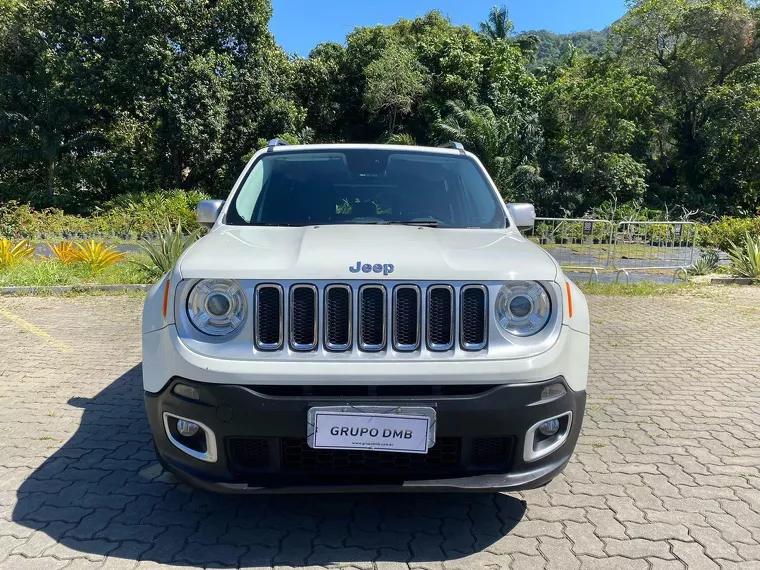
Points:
x=50, y=180
x=391, y=122
x=177, y=168
x=690, y=147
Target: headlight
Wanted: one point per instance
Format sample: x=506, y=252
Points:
x=522, y=308
x=216, y=306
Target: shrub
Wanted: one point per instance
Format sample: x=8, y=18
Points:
x=745, y=258
x=11, y=254
x=147, y=212
x=127, y=216
x=64, y=251
x=164, y=255
x=97, y=255
x=728, y=230
x=707, y=264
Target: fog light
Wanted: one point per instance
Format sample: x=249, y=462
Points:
x=189, y=429
x=547, y=429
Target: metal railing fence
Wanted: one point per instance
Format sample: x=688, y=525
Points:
x=580, y=244
x=576, y=243
x=652, y=246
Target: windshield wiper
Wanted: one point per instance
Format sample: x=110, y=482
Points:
x=277, y=224
x=423, y=223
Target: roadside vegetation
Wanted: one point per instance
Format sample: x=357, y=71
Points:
x=658, y=110
x=91, y=262
x=44, y=272
x=640, y=289
x=655, y=118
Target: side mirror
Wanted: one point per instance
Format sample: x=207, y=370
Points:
x=207, y=212
x=523, y=215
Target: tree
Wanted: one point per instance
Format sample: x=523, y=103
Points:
x=688, y=48
x=394, y=82
x=102, y=97
x=730, y=135
x=50, y=129
x=498, y=27
x=553, y=48
x=597, y=117
x=491, y=137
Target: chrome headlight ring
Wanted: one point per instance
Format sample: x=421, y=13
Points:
x=217, y=307
x=523, y=308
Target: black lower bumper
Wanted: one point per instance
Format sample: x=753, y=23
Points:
x=260, y=434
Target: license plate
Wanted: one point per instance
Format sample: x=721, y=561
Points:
x=400, y=429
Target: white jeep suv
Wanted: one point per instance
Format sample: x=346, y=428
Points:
x=365, y=317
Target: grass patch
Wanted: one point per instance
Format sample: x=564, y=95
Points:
x=641, y=289
x=80, y=292
x=44, y=273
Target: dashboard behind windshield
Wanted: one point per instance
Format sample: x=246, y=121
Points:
x=366, y=186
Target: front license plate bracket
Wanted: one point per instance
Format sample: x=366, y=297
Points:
x=401, y=429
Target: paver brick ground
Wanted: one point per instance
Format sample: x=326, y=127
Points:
x=666, y=473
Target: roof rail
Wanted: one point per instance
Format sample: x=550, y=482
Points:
x=453, y=144
x=277, y=142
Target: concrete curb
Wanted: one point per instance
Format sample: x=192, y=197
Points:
x=733, y=281
x=63, y=289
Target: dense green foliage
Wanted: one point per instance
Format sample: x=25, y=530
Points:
x=554, y=48
x=128, y=216
x=103, y=98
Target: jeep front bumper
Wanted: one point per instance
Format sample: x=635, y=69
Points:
x=259, y=437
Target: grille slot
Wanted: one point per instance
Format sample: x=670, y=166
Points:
x=372, y=318
x=474, y=317
x=491, y=451
x=250, y=453
x=338, y=317
x=440, y=317
x=303, y=317
x=269, y=317
x=406, y=317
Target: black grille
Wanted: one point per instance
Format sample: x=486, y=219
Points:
x=435, y=313
x=278, y=458
x=406, y=315
x=490, y=451
x=338, y=318
x=250, y=453
x=473, y=325
x=269, y=317
x=303, y=317
x=372, y=318
x=298, y=456
x=440, y=329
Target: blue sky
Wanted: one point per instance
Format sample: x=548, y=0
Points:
x=299, y=25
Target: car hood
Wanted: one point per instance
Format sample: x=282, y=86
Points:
x=393, y=252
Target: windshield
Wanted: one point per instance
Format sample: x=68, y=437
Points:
x=366, y=186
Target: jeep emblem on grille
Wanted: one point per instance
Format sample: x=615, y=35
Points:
x=384, y=268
